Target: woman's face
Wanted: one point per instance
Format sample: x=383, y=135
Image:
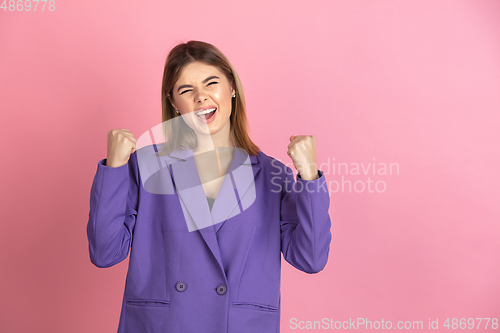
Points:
x=201, y=86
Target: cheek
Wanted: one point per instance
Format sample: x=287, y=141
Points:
x=217, y=96
x=224, y=99
x=185, y=104
x=222, y=95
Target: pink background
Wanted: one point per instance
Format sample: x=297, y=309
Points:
x=409, y=82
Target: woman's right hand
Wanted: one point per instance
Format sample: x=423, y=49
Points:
x=121, y=143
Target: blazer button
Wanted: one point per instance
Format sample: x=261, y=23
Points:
x=221, y=289
x=180, y=286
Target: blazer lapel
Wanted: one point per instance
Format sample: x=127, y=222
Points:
x=236, y=194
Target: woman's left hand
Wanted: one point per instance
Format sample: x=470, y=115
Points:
x=302, y=150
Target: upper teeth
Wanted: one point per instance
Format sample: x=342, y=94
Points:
x=205, y=111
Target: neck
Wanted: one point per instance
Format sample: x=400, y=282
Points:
x=212, y=142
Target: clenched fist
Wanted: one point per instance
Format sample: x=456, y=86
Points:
x=302, y=150
x=121, y=143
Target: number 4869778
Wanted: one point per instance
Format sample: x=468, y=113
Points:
x=470, y=323
x=26, y=5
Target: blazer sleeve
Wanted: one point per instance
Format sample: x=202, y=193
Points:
x=305, y=222
x=113, y=212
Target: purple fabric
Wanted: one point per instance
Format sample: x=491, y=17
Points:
x=242, y=253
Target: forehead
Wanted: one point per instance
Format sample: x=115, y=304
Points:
x=198, y=71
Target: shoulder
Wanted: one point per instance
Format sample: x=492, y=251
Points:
x=273, y=164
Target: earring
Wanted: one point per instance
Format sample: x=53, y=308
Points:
x=177, y=111
x=234, y=95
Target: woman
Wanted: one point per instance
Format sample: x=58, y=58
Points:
x=194, y=267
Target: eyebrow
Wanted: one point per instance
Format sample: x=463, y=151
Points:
x=204, y=81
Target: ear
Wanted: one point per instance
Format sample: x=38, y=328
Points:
x=168, y=96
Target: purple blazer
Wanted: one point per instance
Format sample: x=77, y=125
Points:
x=187, y=275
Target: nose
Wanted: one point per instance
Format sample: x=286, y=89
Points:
x=200, y=95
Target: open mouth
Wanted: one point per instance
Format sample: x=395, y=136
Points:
x=206, y=114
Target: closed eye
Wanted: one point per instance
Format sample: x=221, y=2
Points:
x=190, y=89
